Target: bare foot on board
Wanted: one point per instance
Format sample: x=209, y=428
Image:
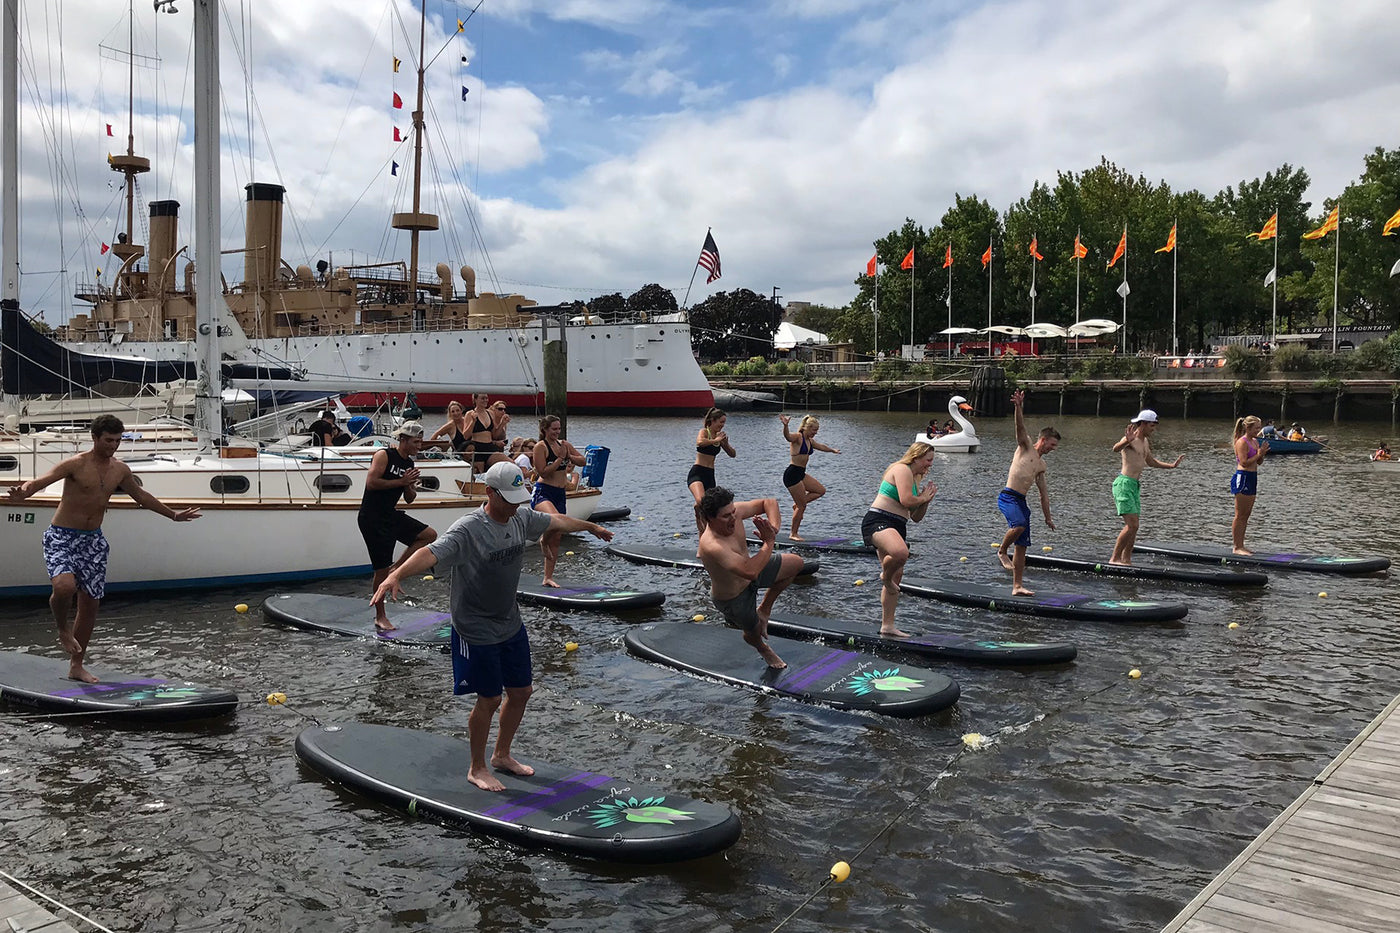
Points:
x=511, y=766
x=78, y=672
x=893, y=633
x=384, y=625
x=549, y=581
x=485, y=780
x=769, y=655
x=1021, y=591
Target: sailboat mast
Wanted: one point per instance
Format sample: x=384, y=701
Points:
x=416, y=221
x=208, y=288
x=130, y=118
x=9, y=149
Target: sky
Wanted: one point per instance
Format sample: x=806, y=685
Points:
x=600, y=139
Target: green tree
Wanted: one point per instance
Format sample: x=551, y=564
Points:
x=1247, y=210
x=734, y=325
x=613, y=304
x=652, y=298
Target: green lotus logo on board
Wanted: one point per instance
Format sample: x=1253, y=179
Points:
x=890, y=681
x=633, y=810
x=164, y=692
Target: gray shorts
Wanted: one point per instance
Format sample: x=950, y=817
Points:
x=742, y=610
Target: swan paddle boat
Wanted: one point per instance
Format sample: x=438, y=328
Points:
x=962, y=441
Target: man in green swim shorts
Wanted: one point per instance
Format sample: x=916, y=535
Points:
x=1127, y=486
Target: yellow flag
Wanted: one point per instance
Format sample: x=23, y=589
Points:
x=1270, y=229
x=1391, y=224
x=461, y=25
x=1171, y=241
x=396, y=66
x=1327, y=227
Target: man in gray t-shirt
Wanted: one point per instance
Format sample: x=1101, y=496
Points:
x=490, y=647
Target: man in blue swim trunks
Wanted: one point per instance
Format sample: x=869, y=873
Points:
x=1027, y=469
x=75, y=551
x=490, y=648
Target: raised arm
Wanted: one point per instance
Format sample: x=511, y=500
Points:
x=1018, y=399
x=755, y=507
x=1130, y=434
x=787, y=433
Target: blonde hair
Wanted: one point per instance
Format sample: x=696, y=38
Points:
x=1243, y=424
x=808, y=420
x=460, y=407
x=711, y=416
x=915, y=451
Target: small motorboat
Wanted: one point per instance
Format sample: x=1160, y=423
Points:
x=962, y=441
x=1278, y=445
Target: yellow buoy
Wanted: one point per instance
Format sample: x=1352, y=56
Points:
x=962, y=559
x=840, y=872
x=276, y=699
x=697, y=618
x=996, y=544
x=241, y=607
x=427, y=578
x=1047, y=549
x=859, y=583
x=1322, y=595
x=570, y=646
x=675, y=534
x=1234, y=625
x=568, y=553
x=974, y=740
x=1134, y=673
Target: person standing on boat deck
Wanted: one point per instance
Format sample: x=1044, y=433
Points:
x=708, y=443
x=735, y=574
x=553, y=459
x=1027, y=469
x=1244, y=485
x=456, y=428
x=490, y=648
x=1136, y=449
x=803, y=488
x=499, y=434
x=75, y=550
x=382, y=525
x=482, y=424
x=886, y=524
x=326, y=433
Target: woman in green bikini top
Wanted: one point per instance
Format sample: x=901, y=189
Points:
x=885, y=524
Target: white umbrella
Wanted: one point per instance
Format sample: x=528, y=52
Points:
x=949, y=331
x=1044, y=330
x=1092, y=328
x=1003, y=329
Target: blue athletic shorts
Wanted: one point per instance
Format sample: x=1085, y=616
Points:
x=79, y=552
x=1018, y=514
x=1244, y=483
x=487, y=669
x=554, y=495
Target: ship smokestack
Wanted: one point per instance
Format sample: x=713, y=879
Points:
x=263, y=239
x=160, y=271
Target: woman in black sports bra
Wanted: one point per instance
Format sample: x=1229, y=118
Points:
x=554, y=459
x=802, y=487
x=708, y=443
x=456, y=428
x=481, y=422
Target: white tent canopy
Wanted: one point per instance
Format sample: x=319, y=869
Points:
x=789, y=335
x=952, y=331
x=1093, y=327
x=1044, y=330
x=1004, y=329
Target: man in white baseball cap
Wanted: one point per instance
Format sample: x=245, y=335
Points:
x=1127, y=486
x=490, y=648
x=392, y=475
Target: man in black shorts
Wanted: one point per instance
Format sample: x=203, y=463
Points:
x=391, y=475
x=736, y=575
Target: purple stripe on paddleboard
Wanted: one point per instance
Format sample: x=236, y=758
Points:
x=91, y=689
x=812, y=672
x=576, y=784
x=418, y=625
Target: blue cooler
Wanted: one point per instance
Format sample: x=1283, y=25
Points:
x=595, y=465
x=359, y=426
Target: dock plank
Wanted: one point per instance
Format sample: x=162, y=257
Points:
x=1329, y=862
x=27, y=914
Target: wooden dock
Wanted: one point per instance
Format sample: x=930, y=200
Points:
x=19, y=914
x=1330, y=862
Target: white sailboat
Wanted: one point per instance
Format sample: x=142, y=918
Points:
x=265, y=517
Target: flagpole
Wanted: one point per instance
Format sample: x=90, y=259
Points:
x=950, y=310
x=875, y=310
x=686, y=302
x=1176, y=245
x=1274, y=341
x=1078, y=264
x=911, y=305
x=1336, y=268
x=1034, y=239
x=1125, y=290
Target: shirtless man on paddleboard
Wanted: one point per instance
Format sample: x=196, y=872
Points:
x=1136, y=449
x=1027, y=469
x=736, y=575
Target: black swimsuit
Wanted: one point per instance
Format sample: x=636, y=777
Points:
x=483, y=449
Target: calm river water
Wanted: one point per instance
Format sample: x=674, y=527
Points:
x=1103, y=803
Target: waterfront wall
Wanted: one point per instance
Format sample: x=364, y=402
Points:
x=1295, y=399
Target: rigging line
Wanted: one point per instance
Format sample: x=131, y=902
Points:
x=453, y=35
x=365, y=191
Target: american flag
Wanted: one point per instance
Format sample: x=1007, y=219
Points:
x=709, y=258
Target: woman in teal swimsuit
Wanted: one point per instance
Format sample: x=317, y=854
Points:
x=802, y=487
x=902, y=496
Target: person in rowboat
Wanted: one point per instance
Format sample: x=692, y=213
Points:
x=1244, y=485
x=490, y=648
x=886, y=525
x=1027, y=469
x=735, y=574
x=75, y=550
x=803, y=488
x=1127, y=487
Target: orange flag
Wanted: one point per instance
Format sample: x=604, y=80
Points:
x=1391, y=224
x=1171, y=242
x=948, y=257
x=1122, y=248
x=1270, y=229
x=1327, y=227
x=1080, y=250
x=1034, y=251
x=987, y=256
x=908, y=262
x=871, y=265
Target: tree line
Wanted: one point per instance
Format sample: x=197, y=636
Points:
x=1221, y=270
